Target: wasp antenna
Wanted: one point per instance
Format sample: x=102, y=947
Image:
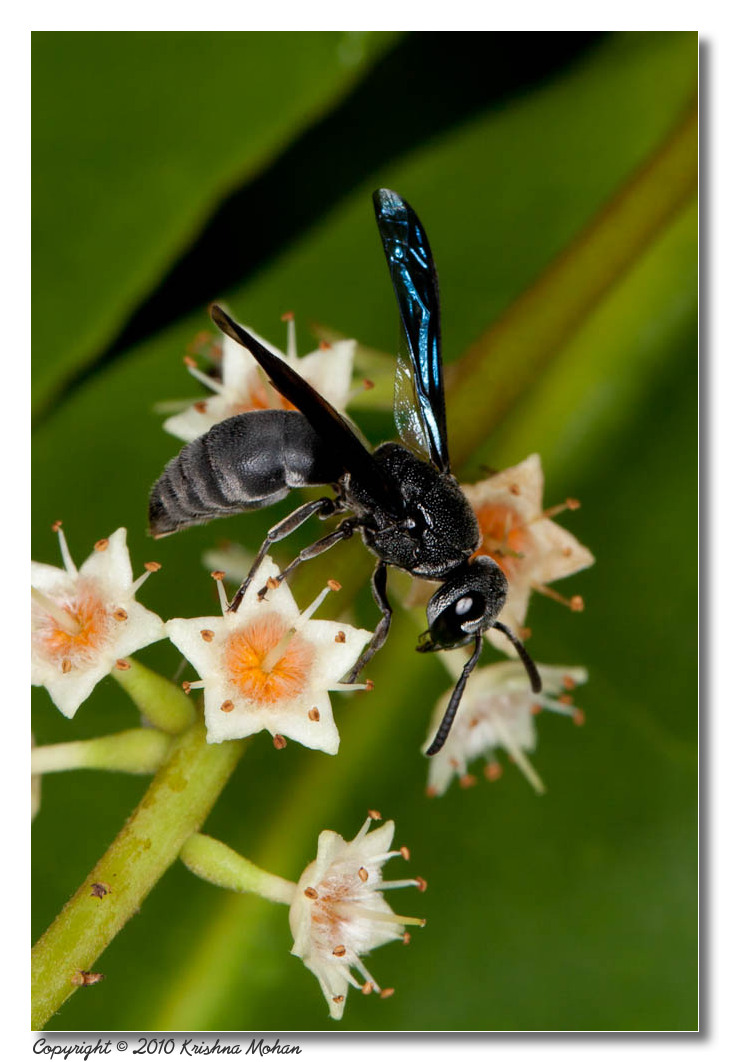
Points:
x=450, y=712
x=531, y=667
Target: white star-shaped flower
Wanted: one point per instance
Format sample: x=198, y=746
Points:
x=497, y=711
x=85, y=620
x=339, y=914
x=244, y=387
x=531, y=549
x=269, y=666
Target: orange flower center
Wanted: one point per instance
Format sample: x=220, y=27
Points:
x=76, y=642
x=263, y=665
x=506, y=538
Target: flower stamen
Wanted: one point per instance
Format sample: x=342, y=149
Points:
x=65, y=552
x=369, y=979
x=64, y=618
x=288, y=317
x=219, y=576
x=203, y=377
x=521, y=761
x=309, y=612
x=400, y=884
x=570, y=504
x=575, y=603
x=560, y=706
x=150, y=566
x=356, y=910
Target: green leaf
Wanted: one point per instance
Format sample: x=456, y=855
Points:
x=136, y=138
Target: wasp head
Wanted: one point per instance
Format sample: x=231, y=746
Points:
x=467, y=603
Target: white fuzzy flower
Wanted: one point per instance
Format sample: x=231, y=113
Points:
x=268, y=666
x=497, y=711
x=339, y=914
x=529, y=547
x=85, y=620
x=244, y=387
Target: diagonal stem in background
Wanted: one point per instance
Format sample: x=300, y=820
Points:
x=503, y=363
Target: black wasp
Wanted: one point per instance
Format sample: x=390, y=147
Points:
x=403, y=500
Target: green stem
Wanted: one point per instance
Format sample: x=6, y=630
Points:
x=139, y=751
x=215, y=862
x=159, y=700
x=174, y=807
x=507, y=358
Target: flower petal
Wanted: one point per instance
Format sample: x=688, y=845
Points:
x=110, y=568
x=83, y=623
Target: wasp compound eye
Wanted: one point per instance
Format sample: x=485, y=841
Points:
x=465, y=606
x=459, y=620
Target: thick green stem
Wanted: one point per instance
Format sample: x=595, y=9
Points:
x=220, y=865
x=139, y=751
x=503, y=363
x=174, y=807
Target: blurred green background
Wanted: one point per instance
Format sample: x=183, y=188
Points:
x=170, y=168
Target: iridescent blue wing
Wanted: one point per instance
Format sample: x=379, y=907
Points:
x=420, y=399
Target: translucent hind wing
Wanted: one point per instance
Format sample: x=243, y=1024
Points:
x=419, y=396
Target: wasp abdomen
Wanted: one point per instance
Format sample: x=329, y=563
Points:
x=246, y=462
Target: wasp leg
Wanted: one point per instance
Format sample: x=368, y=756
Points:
x=323, y=506
x=379, y=592
x=450, y=712
x=345, y=530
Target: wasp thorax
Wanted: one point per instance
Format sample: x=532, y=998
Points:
x=436, y=530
